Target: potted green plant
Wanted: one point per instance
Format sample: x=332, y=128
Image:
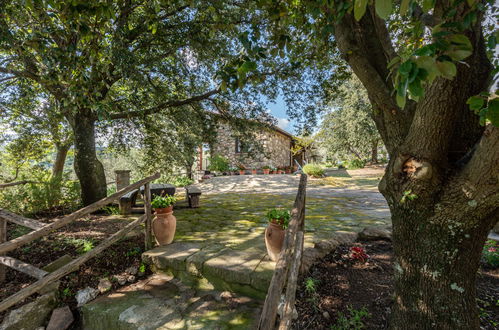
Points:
x=273, y=170
x=242, y=169
x=280, y=170
x=164, y=223
x=253, y=171
x=266, y=169
x=288, y=169
x=275, y=231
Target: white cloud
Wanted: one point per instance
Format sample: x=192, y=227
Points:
x=282, y=123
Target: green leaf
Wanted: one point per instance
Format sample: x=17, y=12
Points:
x=406, y=68
x=428, y=63
x=428, y=5
x=460, y=39
x=383, y=8
x=400, y=101
x=475, y=102
x=493, y=112
x=459, y=54
x=394, y=61
x=359, y=9
x=404, y=6
x=416, y=89
x=248, y=66
x=447, y=69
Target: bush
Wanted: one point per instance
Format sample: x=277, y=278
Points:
x=356, y=163
x=313, y=170
x=219, y=163
x=47, y=194
x=490, y=254
x=181, y=181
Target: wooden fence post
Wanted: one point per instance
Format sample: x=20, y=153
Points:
x=148, y=213
x=3, y=238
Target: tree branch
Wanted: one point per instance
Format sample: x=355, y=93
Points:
x=162, y=106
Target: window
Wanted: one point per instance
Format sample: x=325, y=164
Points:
x=241, y=146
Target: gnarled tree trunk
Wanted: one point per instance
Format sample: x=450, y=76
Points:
x=88, y=168
x=441, y=183
x=374, y=152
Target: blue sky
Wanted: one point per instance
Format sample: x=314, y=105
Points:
x=278, y=110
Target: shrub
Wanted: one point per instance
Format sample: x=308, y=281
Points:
x=490, y=253
x=219, y=163
x=356, y=163
x=47, y=194
x=314, y=170
x=182, y=181
x=279, y=216
x=161, y=202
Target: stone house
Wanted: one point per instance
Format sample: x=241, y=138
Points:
x=268, y=146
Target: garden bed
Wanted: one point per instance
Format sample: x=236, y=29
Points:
x=341, y=291
x=74, y=240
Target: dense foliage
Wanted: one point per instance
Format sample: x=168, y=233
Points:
x=314, y=170
x=348, y=131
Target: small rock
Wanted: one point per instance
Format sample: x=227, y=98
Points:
x=223, y=295
x=120, y=279
x=104, y=285
x=61, y=319
x=86, y=295
x=132, y=270
x=130, y=279
x=375, y=233
x=326, y=315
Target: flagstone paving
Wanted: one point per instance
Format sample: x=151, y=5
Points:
x=221, y=244
x=220, y=247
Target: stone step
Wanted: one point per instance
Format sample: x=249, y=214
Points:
x=246, y=270
x=162, y=302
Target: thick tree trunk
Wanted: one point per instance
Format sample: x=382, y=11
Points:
x=88, y=168
x=60, y=160
x=374, y=152
x=438, y=239
x=441, y=182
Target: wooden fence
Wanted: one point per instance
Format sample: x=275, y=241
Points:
x=287, y=267
x=41, y=229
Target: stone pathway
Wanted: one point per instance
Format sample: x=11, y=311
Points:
x=220, y=246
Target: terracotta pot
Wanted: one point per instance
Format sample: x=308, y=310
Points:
x=266, y=171
x=274, y=238
x=288, y=171
x=241, y=172
x=253, y=172
x=280, y=171
x=164, y=225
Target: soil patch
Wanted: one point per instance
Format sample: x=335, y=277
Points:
x=74, y=240
x=340, y=291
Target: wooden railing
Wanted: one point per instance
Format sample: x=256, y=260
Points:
x=40, y=230
x=287, y=267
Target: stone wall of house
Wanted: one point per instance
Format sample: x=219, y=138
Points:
x=274, y=148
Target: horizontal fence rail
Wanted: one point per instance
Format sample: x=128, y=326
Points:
x=44, y=278
x=17, y=242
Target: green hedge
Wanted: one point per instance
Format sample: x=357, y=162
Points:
x=313, y=170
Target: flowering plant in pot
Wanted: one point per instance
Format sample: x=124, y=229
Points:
x=266, y=169
x=164, y=223
x=274, y=233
